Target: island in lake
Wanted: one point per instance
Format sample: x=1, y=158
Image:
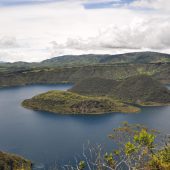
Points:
x=72, y=103
x=97, y=96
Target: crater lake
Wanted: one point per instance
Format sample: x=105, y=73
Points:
x=47, y=138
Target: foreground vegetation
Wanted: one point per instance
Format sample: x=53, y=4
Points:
x=13, y=162
x=137, y=148
x=72, y=103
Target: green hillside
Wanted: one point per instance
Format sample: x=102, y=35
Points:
x=94, y=86
x=141, y=89
x=137, y=57
x=71, y=68
x=72, y=103
x=92, y=59
x=76, y=74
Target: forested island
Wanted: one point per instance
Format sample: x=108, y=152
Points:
x=72, y=103
x=96, y=96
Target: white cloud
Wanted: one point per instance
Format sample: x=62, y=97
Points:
x=37, y=32
x=26, y=54
x=8, y=42
x=152, y=4
x=150, y=34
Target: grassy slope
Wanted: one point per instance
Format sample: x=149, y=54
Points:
x=94, y=86
x=75, y=74
x=14, y=162
x=141, y=90
x=72, y=103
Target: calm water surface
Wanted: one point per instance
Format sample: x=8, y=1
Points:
x=46, y=138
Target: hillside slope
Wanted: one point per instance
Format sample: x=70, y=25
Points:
x=93, y=59
x=141, y=89
x=75, y=74
x=137, y=57
x=94, y=86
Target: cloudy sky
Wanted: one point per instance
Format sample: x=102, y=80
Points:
x=34, y=30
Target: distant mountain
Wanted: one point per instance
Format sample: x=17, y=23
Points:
x=138, y=57
x=72, y=60
x=17, y=64
x=92, y=59
x=95, y=59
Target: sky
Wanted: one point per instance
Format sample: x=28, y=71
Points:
x=35, y=30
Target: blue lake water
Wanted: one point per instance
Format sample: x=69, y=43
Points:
x=46, y=138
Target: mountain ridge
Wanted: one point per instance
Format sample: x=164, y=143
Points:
x=134, y=57
x=130, y=57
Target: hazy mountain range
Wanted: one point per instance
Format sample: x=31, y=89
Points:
x=93, y=59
